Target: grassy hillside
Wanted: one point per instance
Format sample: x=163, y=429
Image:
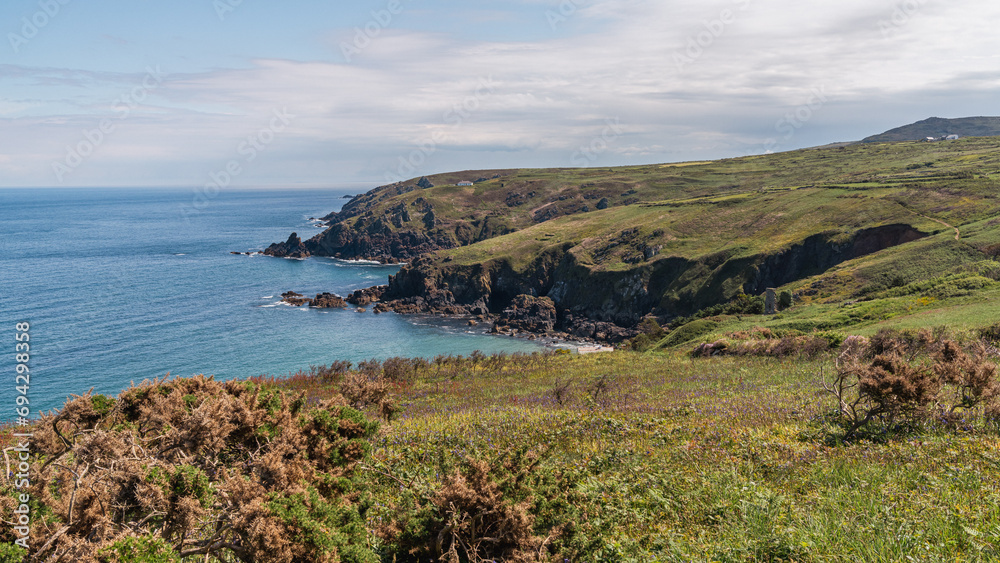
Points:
x=938, y=127
x=613, y=245
x=667, y=458
x=913, y=174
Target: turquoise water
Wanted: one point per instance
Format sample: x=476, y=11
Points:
x=125, y=285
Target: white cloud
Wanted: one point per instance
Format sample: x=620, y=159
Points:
x=544, y=98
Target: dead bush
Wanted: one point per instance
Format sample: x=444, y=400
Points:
x=367, y=389
x=914, y=378
x=760, y=345
x=560, y=391
x=193, y=468
x=970, y=377
x=508, y=509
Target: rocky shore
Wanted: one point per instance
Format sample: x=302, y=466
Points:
x=321, y=301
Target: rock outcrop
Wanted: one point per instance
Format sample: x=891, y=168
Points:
x=291, y=248
x=367, y=296
x=328, y=301
x=528, y=314
x=295, y=299
x=321, y=301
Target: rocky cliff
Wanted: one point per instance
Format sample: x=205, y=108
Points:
x=606, y=247
x=607, y=305
x=379, y=226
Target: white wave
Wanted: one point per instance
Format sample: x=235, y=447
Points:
x=268, y=297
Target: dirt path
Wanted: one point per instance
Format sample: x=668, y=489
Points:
x=958, y=234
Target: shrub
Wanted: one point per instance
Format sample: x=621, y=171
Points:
x=240, y=473
x=688, y=332
x=881, y=382
x=991, y=333
x=650, y=332
x=10, y=553
x=651, y=328
x=742, y=304
x=786, y=346
x=784, y=300
x=139, y=549
x=369, y=389
x=510, y=508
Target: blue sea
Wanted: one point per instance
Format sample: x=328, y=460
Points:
x=123, y=285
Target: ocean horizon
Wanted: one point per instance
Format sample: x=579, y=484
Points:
x=121, y=285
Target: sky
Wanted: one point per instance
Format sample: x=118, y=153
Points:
x=310, y=93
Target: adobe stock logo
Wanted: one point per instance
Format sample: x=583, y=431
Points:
x=363, y=36
x=792, y=121
x=31, y=26
x=714, y=29
x=92, y=139
x=600, y=144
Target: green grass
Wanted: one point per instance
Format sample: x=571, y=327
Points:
x=710, y=460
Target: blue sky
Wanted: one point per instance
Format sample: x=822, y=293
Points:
x=312, y=93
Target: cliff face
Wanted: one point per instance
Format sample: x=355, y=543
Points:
x=587, y=301
x=391, y=224
x=388, y=238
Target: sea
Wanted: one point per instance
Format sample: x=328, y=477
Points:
x=125, y=285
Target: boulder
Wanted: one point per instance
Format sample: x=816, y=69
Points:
x=528, y=313
x=328, y=301
x=295, y=299
x=291, y=248
x=367, y=296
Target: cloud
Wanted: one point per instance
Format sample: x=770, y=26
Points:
x=686, y=80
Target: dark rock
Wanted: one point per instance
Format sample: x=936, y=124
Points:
x=530, y=314
x=651, y=251
x=381, y=308
x=425, y=183
x=366, y=296
x=295, y=299
x=603, y=204
x=291, y=248
x=328, y=301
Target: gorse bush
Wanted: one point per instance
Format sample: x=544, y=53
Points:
x=767, y=343
x=904, y=378
x=195, y=468
x=508, y=508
